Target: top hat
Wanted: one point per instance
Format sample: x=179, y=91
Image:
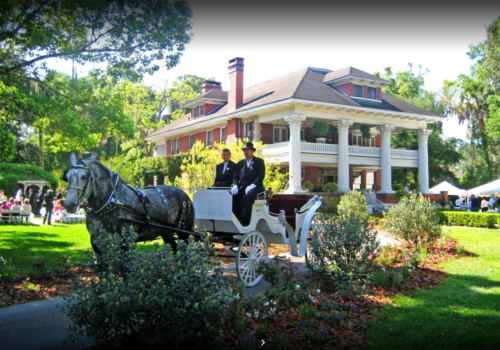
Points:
x=249, y=145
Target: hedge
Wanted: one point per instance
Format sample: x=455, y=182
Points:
x=11, y=173
x=471, y=219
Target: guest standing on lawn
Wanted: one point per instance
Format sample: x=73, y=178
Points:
x=49, y=206
x=484, y=205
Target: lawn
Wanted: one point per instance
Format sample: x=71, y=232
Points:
x=464, y=313
x=24, y=244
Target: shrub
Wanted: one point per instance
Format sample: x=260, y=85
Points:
x=353, y=204
x=342, y=241
x=413, y=219
x=150, y=298
x=329, y=206
x=307, y=185
x=331, y=187
x=471, y=219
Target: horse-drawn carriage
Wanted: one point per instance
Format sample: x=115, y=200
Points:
x=289, y=224
x=162, y=211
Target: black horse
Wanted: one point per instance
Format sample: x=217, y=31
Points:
x=112, y=205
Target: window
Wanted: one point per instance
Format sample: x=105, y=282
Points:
x=172, y=146
x=280, y=134
x=249, y=131
x=358, y=90
x=223, y=135
x=372, y=93
x=202, y=110
x=177, y=146
x=210, y=138
x=192, y=140
x=357, y=140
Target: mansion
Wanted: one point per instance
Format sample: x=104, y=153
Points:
x=281, y=113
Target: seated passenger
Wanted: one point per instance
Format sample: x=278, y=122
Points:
x=225, y=171
x=247, y=183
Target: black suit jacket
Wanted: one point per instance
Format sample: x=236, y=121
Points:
x=49, y=201
x=254, y=174
x=226, y=179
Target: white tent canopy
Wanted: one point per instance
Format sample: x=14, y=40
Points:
x=487, y=189
x=446, y=186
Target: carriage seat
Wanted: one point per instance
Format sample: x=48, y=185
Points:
x=289, y=203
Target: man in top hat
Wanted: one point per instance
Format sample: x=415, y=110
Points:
x=248, y=182
x=224, y=173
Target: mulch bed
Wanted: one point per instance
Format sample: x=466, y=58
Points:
x=345, y=331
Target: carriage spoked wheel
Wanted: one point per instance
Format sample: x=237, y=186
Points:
x=252, y=250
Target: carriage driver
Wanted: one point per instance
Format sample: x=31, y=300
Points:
x=225, y=171
x=247, y=183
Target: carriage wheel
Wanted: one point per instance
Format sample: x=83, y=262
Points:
x=252, y=250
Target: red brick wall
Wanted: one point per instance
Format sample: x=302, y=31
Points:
x=266, y=133
x=346, y=88
x=202, y=136
x=231, y=130
x=209, y=107
x=184, y=141
x=311, y=174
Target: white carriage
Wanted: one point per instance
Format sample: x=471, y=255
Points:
x=283, y=219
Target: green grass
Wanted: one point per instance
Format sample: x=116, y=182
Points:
x=464, y=313
x=26, y=243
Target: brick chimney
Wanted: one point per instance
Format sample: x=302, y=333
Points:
x=208, y=85
x=235, y=94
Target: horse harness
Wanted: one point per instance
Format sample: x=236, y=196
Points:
x=112, y=200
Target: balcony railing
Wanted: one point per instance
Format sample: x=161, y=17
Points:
x=324, y=148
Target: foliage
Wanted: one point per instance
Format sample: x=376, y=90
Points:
x=342, y=241
x=471, y=219
x=153, y=298
x=10, y=174
x=7, y=144
x=307, y=185
x=6, y=270
x=200, y=165
x=353, y=204
x=126, y=33
x=365, y=131
x=330, y=187
x=330, y=205
x=413, y=219
x=320, y=127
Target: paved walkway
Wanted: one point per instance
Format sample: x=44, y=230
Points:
x=40, y=325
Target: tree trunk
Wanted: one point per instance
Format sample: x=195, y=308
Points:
x=40, y=144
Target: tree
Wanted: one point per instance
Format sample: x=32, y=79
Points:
x=139, y=33
x=185, y=88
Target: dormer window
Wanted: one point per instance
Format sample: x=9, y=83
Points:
x=372, y=93
x=358, y=90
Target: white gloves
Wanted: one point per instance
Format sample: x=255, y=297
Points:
x=234, y=190
x=249, y=188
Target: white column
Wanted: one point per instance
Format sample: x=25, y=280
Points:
x=295, y=122
x=343, y=126
x=385, y=158
x=423, y=160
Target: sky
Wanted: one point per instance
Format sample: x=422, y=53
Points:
x=276, y=37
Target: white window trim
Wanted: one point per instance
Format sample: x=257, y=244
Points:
x=206, y=137
x=220, y=134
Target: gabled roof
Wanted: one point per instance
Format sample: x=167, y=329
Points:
x=353, y=73
x=307, y=84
